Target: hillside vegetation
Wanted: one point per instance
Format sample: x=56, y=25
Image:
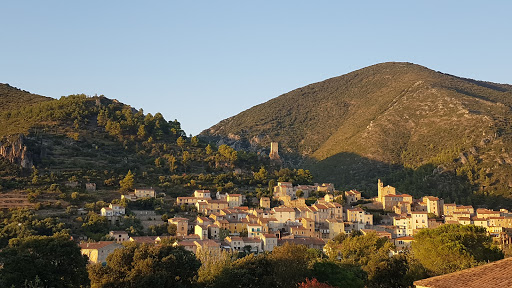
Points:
x=423, y=131
x=63, y=144
x=13, y=98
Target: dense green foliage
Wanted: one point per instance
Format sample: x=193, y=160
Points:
x=423, y=131
x=371, y=253
x=23, y=223
x=48, y=261
x=146, y=266
x=81, y=139
x=12, y=98
x=450, y=248
x=285, y=266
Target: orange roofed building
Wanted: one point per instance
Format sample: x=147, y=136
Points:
x=497, y=275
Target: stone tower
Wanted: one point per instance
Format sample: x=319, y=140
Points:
x=274, y=151
x=380, y=185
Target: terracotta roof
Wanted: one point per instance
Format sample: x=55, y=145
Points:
x=303, y=241
x=190, y=236
x=97, y=245
x=320, y=206
x=405, y=238
x=283, y=209
x=251, y=240
x=217, y=201
x=479, y=219
x=485, y=211
x=269, y=236
x=187, y=243
x=207, y=243
x=496, y=274
x=178, y=219
x=299, y=228
x=234, y=238
x=334, y=220
x=143, y=239
x=356, y=209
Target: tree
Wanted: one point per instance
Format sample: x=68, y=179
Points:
x=172, y=163
x=251, y=271
x=391, y=272
x=209, y=150
x=290, y=264
x=127, y=182
x=185, y=158
x=365, y=251
x=338, y=275
x=146, y=266
x=228, y=154
x=35, y=175
x=299, y=193
x=181, y=142
x=141, y=133
x=171, y=229
x=158, y=162
x=194, y=141
x=453, y=247
x=261, y=175
x=53, y=261
x=96, y=226
x=213, y=263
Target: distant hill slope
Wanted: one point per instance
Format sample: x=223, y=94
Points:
x=14, y=98
x=386, y=120
x=47, y=146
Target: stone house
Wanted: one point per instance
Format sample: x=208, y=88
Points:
x=98, y=252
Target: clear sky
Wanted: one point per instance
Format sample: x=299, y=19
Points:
x=203, y=61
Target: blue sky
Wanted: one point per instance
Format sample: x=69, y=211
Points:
x=203, y=61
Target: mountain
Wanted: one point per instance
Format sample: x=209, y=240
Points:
x=49, y=146
x=396, y=121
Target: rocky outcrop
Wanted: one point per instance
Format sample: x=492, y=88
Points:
x=16, y=152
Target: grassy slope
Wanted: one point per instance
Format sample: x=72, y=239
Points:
x=13, y=98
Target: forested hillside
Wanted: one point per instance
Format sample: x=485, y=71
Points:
x=95, y=139
x=423, y=131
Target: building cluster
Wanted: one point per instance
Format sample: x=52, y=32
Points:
x=224, y=223
x=409, y=215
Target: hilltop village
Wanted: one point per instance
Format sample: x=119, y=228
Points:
x=218, y=221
